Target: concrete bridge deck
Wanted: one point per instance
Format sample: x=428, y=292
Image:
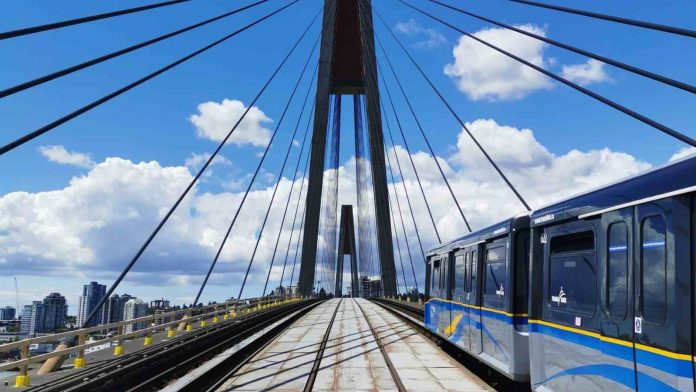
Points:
x=351, y=359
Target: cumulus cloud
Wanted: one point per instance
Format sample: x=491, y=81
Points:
x=586, y=73
x=93, y=225
x=214, y=120
x=426, y=38
x=485, y=74
x=59, y=154
x=683, y=153
x=196, y=161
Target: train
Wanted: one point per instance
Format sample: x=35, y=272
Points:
x=593, y=293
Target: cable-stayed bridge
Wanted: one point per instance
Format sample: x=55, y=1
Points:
x=595, y=292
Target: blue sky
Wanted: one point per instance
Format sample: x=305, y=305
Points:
x=151, y=122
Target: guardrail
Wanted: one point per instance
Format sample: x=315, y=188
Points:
x=184, y=318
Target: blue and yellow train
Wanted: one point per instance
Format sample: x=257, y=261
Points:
x=594, y=293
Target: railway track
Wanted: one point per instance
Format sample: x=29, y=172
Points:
x=491, y=376
x=387, y=360
x=156, y=366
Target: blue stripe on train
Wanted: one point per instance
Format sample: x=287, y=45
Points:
x=615, y=373
x=678, y=367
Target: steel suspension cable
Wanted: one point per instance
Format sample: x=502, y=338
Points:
x=169, y=213
x=403, y=224
x=408, y=199
x=639, y=71
x=425, y=137
x=292, y=186
x=459, y=120
x=644, y=119
x=84, y=19
x=299, y=240
x=275, y=188
x=398, y=247
x=253, y=178
x=294, y=219
x=77, y=67
x=413, y=164
x=403, y=183
x=611, y=18
x=54, y=124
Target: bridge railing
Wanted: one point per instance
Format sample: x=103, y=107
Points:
x=183, y=318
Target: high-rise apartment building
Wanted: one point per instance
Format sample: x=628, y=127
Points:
x=7, y=313
x=92, y=293
x=55, y=311
x=134, y=309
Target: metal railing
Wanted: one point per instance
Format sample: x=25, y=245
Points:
x=183, y=318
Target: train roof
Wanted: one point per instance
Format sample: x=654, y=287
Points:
x=673, y=178
x=481, y=235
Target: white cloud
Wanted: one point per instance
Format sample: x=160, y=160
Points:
x=586, y=73
x=483, y=73
x=683, y=153
x=58, y=154
x=93, y=226
x=427, y=38
x=214, y=120
x=196, y=161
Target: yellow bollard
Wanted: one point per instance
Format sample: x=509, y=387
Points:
x=225, y=316
x=147, y=341
x=189, y=328
x=170, y=332
x=203, y=323
x=21, y=381
x=216, y=319
x=79, y=363
x=118, y=349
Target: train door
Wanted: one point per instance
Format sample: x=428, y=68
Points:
x=495, y=287
x=617, y=288
x=458, y=331
x=661, y=323
x=473, y=300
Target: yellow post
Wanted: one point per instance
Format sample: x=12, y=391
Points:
x=170, y=332
x=203, y=323
x=80, y=362
x=148, y=336
x=22, y=379
x=118, y=349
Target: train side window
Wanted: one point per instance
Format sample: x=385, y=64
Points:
x=467, y=272
x=459, y=274
x=572, y=273
x=472, y=282
x=654, y=269
x=495, y=272
x=436, y=274
x=617, y=270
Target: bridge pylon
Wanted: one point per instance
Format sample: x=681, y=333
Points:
x=347, y=65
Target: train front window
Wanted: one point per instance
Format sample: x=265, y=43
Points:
x=617, y=270
x=572, y=285
x=496, y=273
x=572, y=274
x=654, y=262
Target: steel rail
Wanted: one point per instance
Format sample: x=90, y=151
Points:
x=392, y=369
x=320, y=353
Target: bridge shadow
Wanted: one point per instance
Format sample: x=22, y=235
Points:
x=367, y=334
x=309, y=362
x=378, y=329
